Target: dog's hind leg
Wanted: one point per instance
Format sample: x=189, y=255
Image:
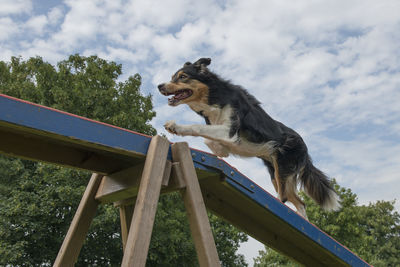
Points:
x=290, y=193
x=271, y=171
x=277, y=179
x=217, y=148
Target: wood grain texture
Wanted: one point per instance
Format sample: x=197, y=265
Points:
x=139, y=236
x=196, y=210
x=125, y=214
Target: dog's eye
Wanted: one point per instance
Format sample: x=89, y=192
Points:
x=183, y=76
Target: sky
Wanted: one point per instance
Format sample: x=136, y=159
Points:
x=328, y=69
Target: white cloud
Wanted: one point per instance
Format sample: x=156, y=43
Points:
x=367, y=166
x=11, y=7
x=8, y=28
x=122, y=54
x=42, y=48
x=81, y=24
x=6, y=54
x=37, y=24
x=55, y=15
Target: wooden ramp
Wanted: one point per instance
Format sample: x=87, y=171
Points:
x=130, y=166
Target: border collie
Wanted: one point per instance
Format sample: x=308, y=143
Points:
x=236, y=124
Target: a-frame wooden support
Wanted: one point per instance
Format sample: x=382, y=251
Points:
x=137, y=220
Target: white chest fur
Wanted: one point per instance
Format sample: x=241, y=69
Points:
x=215, y=114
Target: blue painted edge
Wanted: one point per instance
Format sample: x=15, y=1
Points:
x=42, y=118
x=26, y=114
x=241, y=183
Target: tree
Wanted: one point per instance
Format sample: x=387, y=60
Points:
x=372, y=231
x=85, y=86
x=175, y=247
x=38, y=201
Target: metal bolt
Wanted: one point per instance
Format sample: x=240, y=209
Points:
x=252, y=186
x=203, y=158
x=232, y=173
x=193, y=155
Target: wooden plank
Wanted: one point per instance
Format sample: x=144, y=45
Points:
x=139, y=236
x=69, y=251
x=125, y=214
x=34, y=147
x=197, y=214
x=44, y=130
x=125, y=184
x=229, y=204
x=52, y=123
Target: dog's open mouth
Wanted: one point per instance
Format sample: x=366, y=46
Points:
x=179, y=95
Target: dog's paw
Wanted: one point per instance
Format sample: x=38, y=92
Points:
x=171, y=127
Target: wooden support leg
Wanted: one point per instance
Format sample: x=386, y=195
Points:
x=137, y=246
x=69, y=251
x=197, y=214
x=125, y=214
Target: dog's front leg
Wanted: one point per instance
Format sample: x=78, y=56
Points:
x=213, y=132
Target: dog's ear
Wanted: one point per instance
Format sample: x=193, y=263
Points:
x=203, y=61
x=202, y=64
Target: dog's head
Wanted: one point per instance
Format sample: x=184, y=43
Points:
x=186, y=84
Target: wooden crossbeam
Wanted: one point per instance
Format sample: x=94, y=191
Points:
x=125, y=183
x=120, y=185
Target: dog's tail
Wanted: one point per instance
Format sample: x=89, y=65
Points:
x=317, y=185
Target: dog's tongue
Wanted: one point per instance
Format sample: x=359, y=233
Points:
x=182, y=95
x=178, y=96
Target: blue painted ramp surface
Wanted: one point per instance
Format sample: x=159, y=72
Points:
x=36, y=132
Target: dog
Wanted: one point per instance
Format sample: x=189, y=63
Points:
x=236, y=124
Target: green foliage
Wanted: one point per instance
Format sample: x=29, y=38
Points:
x=35, y=212
x=271, y=258
x=171, y=243
x=38, y=201
x=371, y=231
x=227, y=239
x=85, y=86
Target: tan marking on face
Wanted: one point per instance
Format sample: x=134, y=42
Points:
x=200, y=92
x=199, y=89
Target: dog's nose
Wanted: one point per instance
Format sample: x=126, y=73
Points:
x=161, y=86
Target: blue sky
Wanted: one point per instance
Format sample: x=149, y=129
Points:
x=329, y=69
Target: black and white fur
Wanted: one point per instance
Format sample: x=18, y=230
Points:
x=236, y=124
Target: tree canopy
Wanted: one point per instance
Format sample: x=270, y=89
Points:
x=372, y=231
x=38, y=200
